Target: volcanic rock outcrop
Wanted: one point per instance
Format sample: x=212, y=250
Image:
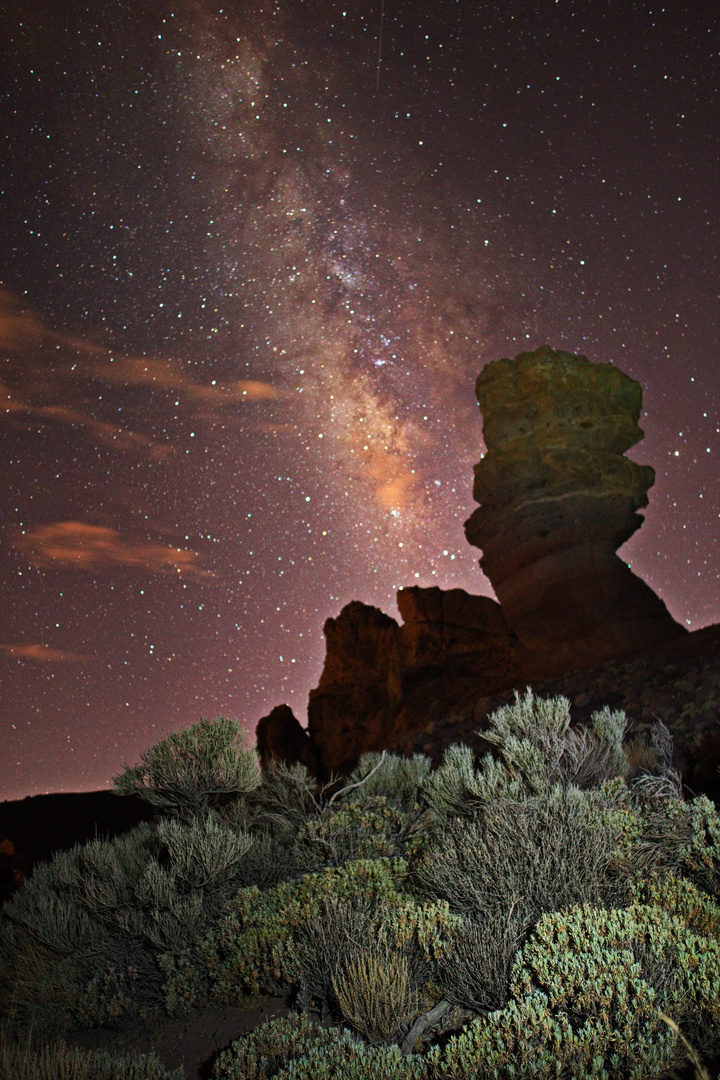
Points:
x=382, y=680
x=557, y=498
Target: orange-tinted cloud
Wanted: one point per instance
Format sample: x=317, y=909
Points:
x=13, y=403
x=83, y=546
x=42, y=653
x=22, y=329
x=163, y=374
x=48, y=374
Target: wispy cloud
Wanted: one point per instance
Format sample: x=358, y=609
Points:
x=42, y=653
x=22, y=329
x=82, y=546
x=15, y=404
x=53, y=376
x=168, y=375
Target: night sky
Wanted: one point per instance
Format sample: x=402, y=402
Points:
x=253, y=256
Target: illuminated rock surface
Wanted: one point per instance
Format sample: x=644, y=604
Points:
x=557, y=498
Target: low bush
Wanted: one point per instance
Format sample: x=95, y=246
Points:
x=57, y=1061
x=297, y=1049
x=586, y=993
x=82, y=941
x=191, y=772
x=300, y=935
x=537, y=750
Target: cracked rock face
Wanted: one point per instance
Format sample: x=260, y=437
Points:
x=557, y=498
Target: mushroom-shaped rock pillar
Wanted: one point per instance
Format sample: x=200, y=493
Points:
x=557, y=499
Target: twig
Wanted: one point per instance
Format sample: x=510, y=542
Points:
x=359, y=783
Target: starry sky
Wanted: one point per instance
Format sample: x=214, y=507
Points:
x=254, y=254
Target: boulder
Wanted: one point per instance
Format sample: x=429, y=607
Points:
x=453, y=629
x=382, y=683
x=557, y=498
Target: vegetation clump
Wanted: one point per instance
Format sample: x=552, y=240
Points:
x=549, y=910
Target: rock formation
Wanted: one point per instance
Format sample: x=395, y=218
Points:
x=557, y=498
x=281, y=737
x=383, y=682
x=361, y=677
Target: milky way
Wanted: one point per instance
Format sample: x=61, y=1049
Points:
x=253, y=264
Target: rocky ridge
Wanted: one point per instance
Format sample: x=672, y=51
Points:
x=557, y=498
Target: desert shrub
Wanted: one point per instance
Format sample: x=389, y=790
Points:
x=374, y=989
x=534, y=855
x=317, y=827
x=25, y=1060
x=190, y=772
x=684, y=838
x=284, y=800
x=297, y=934
x=52, y=944
x=536, y=743
x=456, y=788
x=371, y=962
x=367, y=829
x=353, y=1061
x=586, y=991
x=474, y=971
x=297, y=1049
x=324, y=945
x=536, y=751
x=651, y=774
x=399, y=779
x=87, y=931
x=247, y=951
x=681, y=896
x=263, y=1052
x=270, y=860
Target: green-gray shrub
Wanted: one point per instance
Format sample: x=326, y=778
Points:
x=366, y=818
x=651, y=773
x=371, y=961
x=684, y=838
x=367, y=829
x=56, y=1061
x=584, y=999
x=285, y=799
x=295, y=933
x=82, y=940
x=190, y=772
x=536, y=751
x=375, y=992
x=535, y=855
x=264, y=1051
x=474, y=971
x=399, y=779
x=297, y=1049
x=537, y=744
x=353, y=1061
